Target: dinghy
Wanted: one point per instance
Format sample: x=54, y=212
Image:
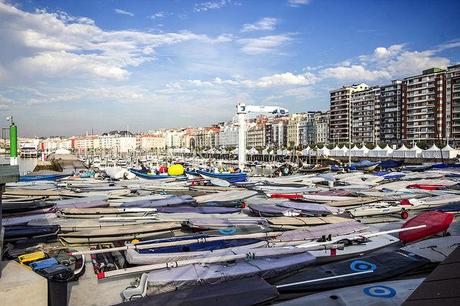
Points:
x=194, y=249
x=382, y=293
x=267, y=210
x=242, y=292
x=309, y=209
x=182, y=277
x=436, y=222
x=230, y=177
x=346, y=273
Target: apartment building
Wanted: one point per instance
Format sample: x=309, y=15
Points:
x=279, y=132
x=365, y=115
x=424, y=110
x=293, y=136
x=340, y=112
x=390, y=112
x=255, y=135
x=453, y=103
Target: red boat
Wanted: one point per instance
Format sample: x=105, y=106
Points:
x=286, y=196
x=436, y=222
x=427, y=186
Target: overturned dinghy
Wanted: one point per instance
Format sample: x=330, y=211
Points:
x=267, y=210
x=123, y=233
x=384, y=293
x=243, y=292
x=221, y=223
x=195, y=249
x=308, y=209
x=192, y=275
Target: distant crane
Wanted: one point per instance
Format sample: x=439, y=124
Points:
x=243, y=109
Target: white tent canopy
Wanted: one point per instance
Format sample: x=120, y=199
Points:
x=449, y=152
x=432, y=152
x=401, y=152
x=414, y=152
x=253, y=151
x=324, y=151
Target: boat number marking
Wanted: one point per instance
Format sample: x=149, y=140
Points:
x=227, y=231
x=361, y=265
x=380, y=291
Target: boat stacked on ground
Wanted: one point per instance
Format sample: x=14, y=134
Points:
x=176, y=232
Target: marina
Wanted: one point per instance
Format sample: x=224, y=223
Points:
x=195, y=228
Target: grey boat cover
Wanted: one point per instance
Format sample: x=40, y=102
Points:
x=234, y=195
x=171, y=201
x=434, y=249
x=315, y=232
x=268, y=210
x=86, y=202
x=212, y=223
x=381, y=293
x=311, y=209
x=135, y=258
x=124, y=230
x=242, y=292
x=166, y=280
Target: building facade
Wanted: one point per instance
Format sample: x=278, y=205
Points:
x=391, y=112
x=340, y=112
x=424, y=108
x=365, y=115
x=453, y=103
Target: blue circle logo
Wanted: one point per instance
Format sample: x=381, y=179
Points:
x=227, y=231
x=361, y=265
x=380, y=291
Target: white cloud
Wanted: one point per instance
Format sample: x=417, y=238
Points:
x=296, y=3
x=123, y=12
x=271, y=81
x=386, y=63
x=160, y=14
x=264, y=24
x=354, y=72
x=265, y=44
x=213, y=5
x=55, y=44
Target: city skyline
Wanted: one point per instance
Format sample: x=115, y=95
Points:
x=71, y=68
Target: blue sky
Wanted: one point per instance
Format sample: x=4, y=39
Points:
x=67, y=67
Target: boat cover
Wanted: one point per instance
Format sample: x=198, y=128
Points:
x=436, y=222
x=165, y=280
x=243, y=292
x=384, y=266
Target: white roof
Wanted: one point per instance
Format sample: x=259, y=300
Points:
x=433, y=148
x=402, y=148
x=377, y=148
x=387, y=148
x=448, y=148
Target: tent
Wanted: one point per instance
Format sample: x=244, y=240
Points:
x=336, y=151
x=324, y=151
x=235, y=151
x=375, y=151
x=414, y=152
x=359, y=152
x=433, y=152
x=265, y=151
x=306, y=151
x=386, y=152
x=253, y=151
x=401, y=152
x=449, y=152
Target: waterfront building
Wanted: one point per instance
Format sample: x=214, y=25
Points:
x=365, y=115
x=228, y=135
x=321, y=128
x=390, y=112
x=340, y=112
x=424, y=109
x=293, y=135
x=174, y=138
x=314, y=128
x=255, y=135
x=453, y=103
x=152, y=142
x=279, y=132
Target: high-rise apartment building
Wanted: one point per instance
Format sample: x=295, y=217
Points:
x=424, y=108
x=453, y=103
x=390, y=112
x=340, y=112
x=365, y=115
